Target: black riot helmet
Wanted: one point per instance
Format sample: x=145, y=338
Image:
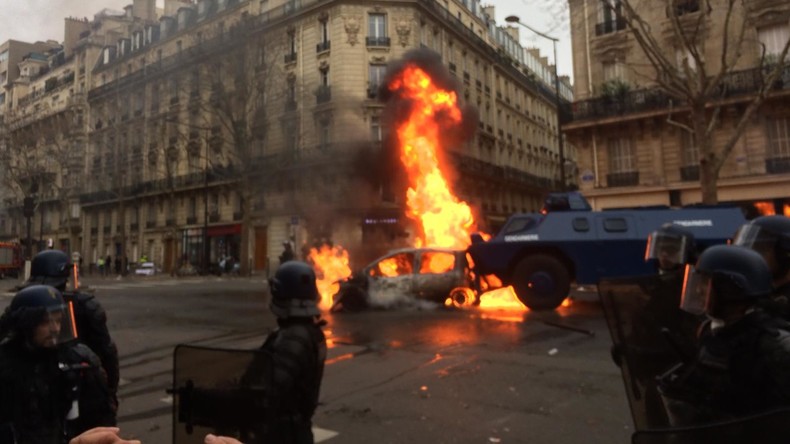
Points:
x=36, y=305
x=725, y=274
x=769, y=236
x=671, y=247
x=50, y=267
x=294, y=291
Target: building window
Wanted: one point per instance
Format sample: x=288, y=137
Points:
x=324, y=26
x=773, y=38
x=690, y=152
x=779, y=136
x=377, y=30
x=323, y=134
x=686, y=6
x=613, y=70
x=621, y=155
x=684, y=56
x=610, y=17
x=375, y=78
x=375, y=129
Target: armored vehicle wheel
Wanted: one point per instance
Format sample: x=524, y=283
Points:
x=541, y=282
x=461, y=296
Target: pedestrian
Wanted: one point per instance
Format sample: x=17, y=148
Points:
x=52, y=267
x=743, y=356
x=298, y=350
x=108, y=265
x=287, y=254
x=770, y=236
x=117, y=266
x=44, y=374
x=100, y=264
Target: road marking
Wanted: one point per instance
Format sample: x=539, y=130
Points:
x=320, y=435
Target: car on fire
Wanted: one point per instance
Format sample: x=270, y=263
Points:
x=405, y=275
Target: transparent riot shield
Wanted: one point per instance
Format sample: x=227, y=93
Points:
x=219, y=391
x=765, y=428
x=650, y=334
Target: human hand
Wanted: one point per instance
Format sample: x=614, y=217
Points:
x=212, y=439
x=101, y=435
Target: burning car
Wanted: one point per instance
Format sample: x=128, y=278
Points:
x=407, y=275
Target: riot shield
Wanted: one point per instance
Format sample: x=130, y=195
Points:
x=219, y=391
x=765, y=428
x=650, y=334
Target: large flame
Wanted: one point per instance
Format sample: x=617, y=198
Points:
x=331, y=266
x=445, y=220
x=786, y=210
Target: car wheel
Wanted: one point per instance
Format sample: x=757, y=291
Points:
x=461, y=297
x=350, y=299
x=541, y=282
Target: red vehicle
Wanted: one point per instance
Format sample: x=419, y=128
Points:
x=10, y=259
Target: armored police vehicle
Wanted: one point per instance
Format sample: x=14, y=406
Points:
x=540, y=254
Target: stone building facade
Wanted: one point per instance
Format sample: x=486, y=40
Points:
x=630, y=154
x=172, y=173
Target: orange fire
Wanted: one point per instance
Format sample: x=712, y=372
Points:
x=786, y=210
x=331, y=266
x=445, y=220
x=765, y=208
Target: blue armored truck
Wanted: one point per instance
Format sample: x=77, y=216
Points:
x=541, y=254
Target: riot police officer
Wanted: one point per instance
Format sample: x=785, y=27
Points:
x=53, y=267
x=743, y=356
x=42, y=370
x=770, y=236
x=670, y=248
x=298, y=350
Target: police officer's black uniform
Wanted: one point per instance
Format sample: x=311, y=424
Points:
x=52, y=267
x=743, y=358
x=297, y=350
x=40, y=385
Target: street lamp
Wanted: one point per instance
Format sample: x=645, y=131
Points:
x=557, y=101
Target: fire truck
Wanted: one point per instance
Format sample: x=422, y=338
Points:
x=541, y=254
x=10, y=259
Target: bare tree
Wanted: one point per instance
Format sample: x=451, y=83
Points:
x=232, y=89
x=701, y=86
x=38, y=161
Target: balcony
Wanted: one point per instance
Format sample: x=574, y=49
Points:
x=106, y=230
x=323, y=94
x=689, y=173
x=377, y=41
x=213, y=216
x=626, y=179
x=94, y=231
x=170, y=223
x=610, y=26
x=237, y=215
x=777, y=165
x=323, y=46
x=290, y=58
x=150, y=224
x=739, y=83
x=191, y=220
x=134, y=227
x=683, y=7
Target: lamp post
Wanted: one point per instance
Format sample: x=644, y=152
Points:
x=557, y=100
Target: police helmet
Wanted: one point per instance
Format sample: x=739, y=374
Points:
x=35, y=305
x=670, y=247
x=725, y=274
x=50, y=267
x=769, y=236
x=294, y=291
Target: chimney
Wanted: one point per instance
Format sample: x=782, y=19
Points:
x=73, y=28
x=145, y=10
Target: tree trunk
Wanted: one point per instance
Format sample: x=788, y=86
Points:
x=708, y=164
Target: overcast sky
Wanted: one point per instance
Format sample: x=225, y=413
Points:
x=32, y=20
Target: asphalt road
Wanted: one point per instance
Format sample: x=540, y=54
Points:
x=411, y=375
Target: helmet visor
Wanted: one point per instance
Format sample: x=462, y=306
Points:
x=696, y=292
x=56, y=326
x=756, y=238
x=668, y=251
